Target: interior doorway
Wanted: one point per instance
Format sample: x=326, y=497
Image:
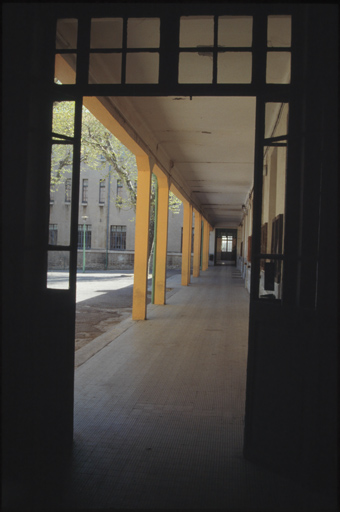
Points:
x=225, y=246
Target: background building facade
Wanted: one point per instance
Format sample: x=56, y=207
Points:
x=109, y=222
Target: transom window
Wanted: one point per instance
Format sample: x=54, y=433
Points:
x=211, y=50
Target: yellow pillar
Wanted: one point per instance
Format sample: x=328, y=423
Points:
x=141, y=238
x=205, y=258
x=197, y=244
x=186, y=243
x=190, y=241
x=162, y=237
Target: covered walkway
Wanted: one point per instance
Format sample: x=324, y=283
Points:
x=159, y=413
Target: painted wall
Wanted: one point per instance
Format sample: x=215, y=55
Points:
x=97, y=213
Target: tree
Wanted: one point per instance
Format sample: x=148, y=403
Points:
x=99, y=148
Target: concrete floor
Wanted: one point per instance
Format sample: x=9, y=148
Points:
x=159, y=413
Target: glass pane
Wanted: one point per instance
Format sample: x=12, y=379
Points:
x=63, y=118
x=196, y=31
x=105, y=68
x=235, y=31
x=65, y=68
x=195, y=68
x=58, y=270
x=273, y=200
x=142, y=68
x=276, y=119
x=106, y=33
x=278, y=68
x=143, y=33
x=61, y=173
x=279, y=32
x=234, y=68
x=270, y=279
x=66, y=36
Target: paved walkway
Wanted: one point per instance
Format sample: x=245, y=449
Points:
x=159, y=412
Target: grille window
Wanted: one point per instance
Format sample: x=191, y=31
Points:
x=88, y=232
x=118, y=238
x=53, y=234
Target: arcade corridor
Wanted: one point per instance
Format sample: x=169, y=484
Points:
x=159, y=414
x=233, y=107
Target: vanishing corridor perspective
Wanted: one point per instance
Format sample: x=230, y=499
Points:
x=159, y=413
x=223, y=391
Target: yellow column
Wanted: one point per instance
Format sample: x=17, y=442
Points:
x=141, y=238
x=162, y=237
x=186, y=243
x=205, y=258
x=197, y=244
x=190, y=241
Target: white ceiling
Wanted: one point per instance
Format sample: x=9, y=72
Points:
x=210, y=140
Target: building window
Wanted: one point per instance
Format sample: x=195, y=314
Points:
x=88, y=231
x=118, y=238
x=227, y=243
x=102, y=186
x=68, y=190
x=84, y=196
x=119, y=187
x=53, y=234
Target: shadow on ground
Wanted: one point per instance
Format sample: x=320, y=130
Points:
x=99, y=314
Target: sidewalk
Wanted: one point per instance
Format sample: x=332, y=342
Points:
x=159, y=411
x=84, y=353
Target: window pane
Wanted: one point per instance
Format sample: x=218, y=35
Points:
x=278, y=68
x=105, y=68
x=87, y=230
x=279, y=32
x=118, y=238
x=143, y=33
x=276, y=119
x=85, y=189
x=196, y=31
x=195, y=68
x=234, y=68
x=271, y=279
x=66, y=36
x=102, y=191
x=60, y=182
x=273, y=199
x=53, y=234
x=68, y=190
x=106, y=33
x=235, y=31
x=142, y=68
x=58, y=270
x=65, y=68
x=63, y=118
